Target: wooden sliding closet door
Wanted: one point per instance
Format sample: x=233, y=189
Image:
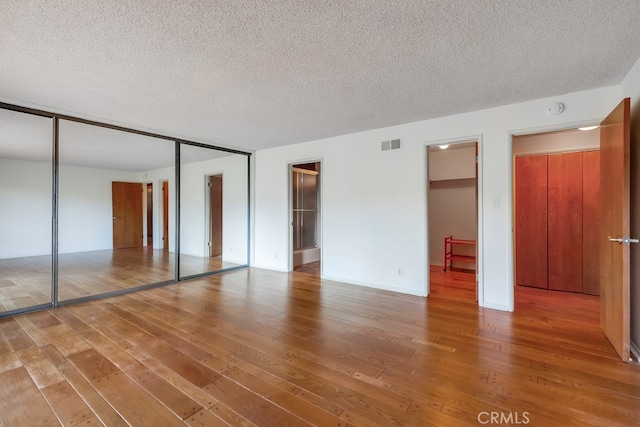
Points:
x=591, y=222
x=565, y=221
x=531, y=221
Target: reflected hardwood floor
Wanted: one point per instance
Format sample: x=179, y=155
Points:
x=26, y=281
x=255, y=347
x=310, y=268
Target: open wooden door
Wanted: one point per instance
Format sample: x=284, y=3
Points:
x=126, y=199
x=615, y=148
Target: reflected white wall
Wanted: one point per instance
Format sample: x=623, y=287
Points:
x=25, y=208
x=193, y=216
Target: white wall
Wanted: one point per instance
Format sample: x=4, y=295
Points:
x=556, y=142
x=452, y=163
x=452, y=201
x=193, y=217
x=374, y=203
x=25, y=208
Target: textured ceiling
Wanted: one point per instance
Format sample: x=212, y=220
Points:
x=255, y=73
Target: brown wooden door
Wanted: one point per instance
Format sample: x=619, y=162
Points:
x=591, y=222
x=531, y=221
x=215, y=215
x=165, y=215
x=126, y=201
x=564, y=239
x=615, y=203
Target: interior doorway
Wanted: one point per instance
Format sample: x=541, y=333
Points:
x=214, y=215
x=614, y=208
x=452, y=203
x=556, y=210
x=305, y=200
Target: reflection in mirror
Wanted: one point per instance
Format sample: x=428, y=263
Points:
x=115, y=210
x=26, y=146
x=213, y=210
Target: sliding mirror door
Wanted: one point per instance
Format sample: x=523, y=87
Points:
x=116, y=211
x=213, y=210
x=26, y=177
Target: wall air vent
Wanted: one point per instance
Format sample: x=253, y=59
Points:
x=393, y=144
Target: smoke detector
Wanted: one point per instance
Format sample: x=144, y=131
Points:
x=555, y=109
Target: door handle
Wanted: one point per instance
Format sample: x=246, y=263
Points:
x=623, y=240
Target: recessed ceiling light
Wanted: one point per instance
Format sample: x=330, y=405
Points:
x=444, y=146
x=589, y=127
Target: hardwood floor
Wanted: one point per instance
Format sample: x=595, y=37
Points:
x=26, y=282
x=255, y=347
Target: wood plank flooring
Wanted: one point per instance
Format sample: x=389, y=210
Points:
x=261, y=348
x=26, y=282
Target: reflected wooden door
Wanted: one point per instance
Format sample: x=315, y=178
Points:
x=165, y=215
x=615, y=204
x=126, y=201
x=215, y=215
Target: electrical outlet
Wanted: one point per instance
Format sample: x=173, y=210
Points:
x=400, y=271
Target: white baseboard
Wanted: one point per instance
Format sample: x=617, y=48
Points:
x=496, y=307
x=374, y=286
x=268, y=267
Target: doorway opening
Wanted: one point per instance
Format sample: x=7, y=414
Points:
x=614, y=210
x=305, y=218
x=452, y=202
x=214, y=215
x=556, y=210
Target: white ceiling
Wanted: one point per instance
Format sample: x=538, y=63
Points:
x=252, y=74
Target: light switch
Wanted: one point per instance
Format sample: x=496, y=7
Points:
x=495, y=203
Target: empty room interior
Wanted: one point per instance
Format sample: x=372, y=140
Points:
x=319, y=213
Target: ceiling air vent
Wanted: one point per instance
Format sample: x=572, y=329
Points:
x=393, y=144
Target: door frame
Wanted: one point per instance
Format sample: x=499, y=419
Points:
x=511, y=256
x=479, y=216
x=145, y=212
x=290, y=166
